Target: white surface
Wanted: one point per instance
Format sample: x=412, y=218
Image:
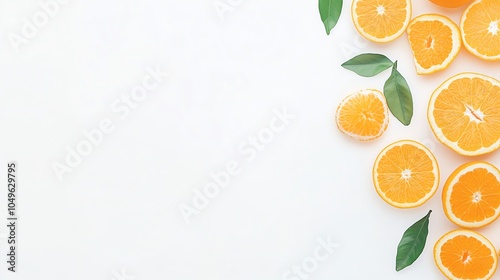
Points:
x=119, y=209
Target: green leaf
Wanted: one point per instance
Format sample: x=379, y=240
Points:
x=398, y=96
x=368, y=64
x=412, y=243
x=329, y=11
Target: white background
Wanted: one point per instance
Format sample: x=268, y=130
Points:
x=117, y=213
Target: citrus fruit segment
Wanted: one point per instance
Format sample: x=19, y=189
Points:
x=406, y=174
x=464, y=114
x=471, y=195
x=435, y=42
x=363, y=115
x=480, y=28
x=381, y=20
x=450, y=3
x=464, y=254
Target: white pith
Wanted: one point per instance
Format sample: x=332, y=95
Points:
x=380, y=10
x=406, y=174
x=475, y=115
x=493, y=28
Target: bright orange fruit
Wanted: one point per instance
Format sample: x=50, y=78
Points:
x=464, y=114
x=405, y=174
x=450, y=3
x=480, y=28
x=435, y=42
x=464, y=254
x=471, y=195
x=381, y=20
x=363, y=115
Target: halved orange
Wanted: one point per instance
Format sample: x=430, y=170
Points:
x=471, y=195
x=480, y=27
x=464, y=114
x=363, y=115
x=465, y=254
x=435, y=42
x=381, y=20
x=405, y=174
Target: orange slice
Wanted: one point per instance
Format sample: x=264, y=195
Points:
x=363, y=115
x=464, y=114
x=435, y=42
x=406, y=174
x=464, y=254
x=381, y=20
x=480, y=27
x=471, y=195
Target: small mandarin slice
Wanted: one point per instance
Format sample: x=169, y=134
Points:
x=363, y=115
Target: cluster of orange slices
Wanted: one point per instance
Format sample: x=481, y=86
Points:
x=435, y=40
x=463, y=113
